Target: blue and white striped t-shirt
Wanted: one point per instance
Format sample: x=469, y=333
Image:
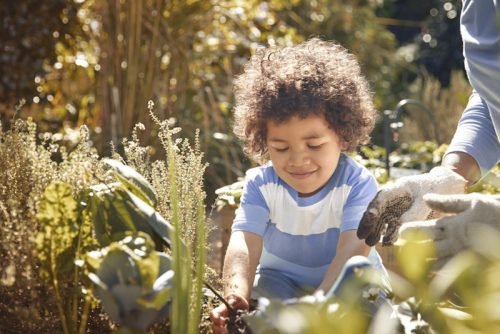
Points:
x=300, y=234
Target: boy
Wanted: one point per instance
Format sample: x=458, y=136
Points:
x=299, y=107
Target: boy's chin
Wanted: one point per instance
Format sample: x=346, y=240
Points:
x=308, y=192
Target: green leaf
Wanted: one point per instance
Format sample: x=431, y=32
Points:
x=452, y=271
x=159, y=224
x=100, y=219
x=133, y=181
x=113, y=213
x=57, y=205
x=141, y=248
x=132, y=280
x=57, y=214
x=118, y=267
x=121, y=215
x=162, y=292
x=414, y=257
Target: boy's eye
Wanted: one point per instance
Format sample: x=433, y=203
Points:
x=314, y=147
x=280, y=149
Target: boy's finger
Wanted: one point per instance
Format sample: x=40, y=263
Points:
x=218, y=329
x=218, y=315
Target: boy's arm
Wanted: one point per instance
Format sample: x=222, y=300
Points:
x=242, y=256
x=348, y=246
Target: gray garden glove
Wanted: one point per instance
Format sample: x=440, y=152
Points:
x=456, y=232
x=401, y=201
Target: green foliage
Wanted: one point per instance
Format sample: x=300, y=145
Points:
x=445, y=103
x=229, y=195
x=184, y=200
x=30, y=162
x=29, y=32
x=349, y=308
x=489, y=184
x=354, y=25
x=460, y=297
x=57, y=214
x=417, y=269
x=417, y=155
x=58, y=248
x=116, y=210
x=177, y=187
x=457, y=298
x=132, y=280
x=308, y=315
x=59, y=205
x=134, y=182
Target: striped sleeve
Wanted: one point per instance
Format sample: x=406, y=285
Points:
x=362, y=192
x=253, y=214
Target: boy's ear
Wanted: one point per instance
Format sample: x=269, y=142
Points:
x=343, y=145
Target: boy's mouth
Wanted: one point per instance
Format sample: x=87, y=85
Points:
x=301, y=175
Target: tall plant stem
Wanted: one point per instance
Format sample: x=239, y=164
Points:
x=85, y=315
x=55, y=283
x=76, y=275
x=181, y=295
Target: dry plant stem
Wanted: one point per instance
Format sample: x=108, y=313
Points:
x=176, y=251
x=55, y=282
x=85, y=316
x=75, y=281
x=83, y=319
x=200, y=259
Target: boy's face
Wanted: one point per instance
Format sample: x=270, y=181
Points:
x=304, y=152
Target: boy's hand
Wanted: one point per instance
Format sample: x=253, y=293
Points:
x=455, y=232
x=220, y=314
x=401, y=201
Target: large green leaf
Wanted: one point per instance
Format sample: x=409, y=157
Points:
x=414, y=257
x=132, y=280
x=159, y=224
x=133, y=181
x=57, y=214
x=57, y=204
x=116, y=210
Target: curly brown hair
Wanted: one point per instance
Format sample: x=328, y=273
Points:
x=316, y=77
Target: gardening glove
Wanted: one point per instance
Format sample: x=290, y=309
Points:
x=401, y=201
x=459, y=230
x=220, y=315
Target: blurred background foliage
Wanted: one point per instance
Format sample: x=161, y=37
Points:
x=98, y=63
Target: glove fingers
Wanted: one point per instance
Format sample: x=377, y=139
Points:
x=391, y=235
x=429, y=227
x=448, y=203
x=446, y=248
x=369, y=223
x=392, y=218
x=385, y=209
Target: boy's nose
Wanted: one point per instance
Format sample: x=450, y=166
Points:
x=298, y=159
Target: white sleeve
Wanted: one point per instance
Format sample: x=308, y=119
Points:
x=480, y=30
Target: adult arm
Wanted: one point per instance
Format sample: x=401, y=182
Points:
x=475, y=147
x=480, y=30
